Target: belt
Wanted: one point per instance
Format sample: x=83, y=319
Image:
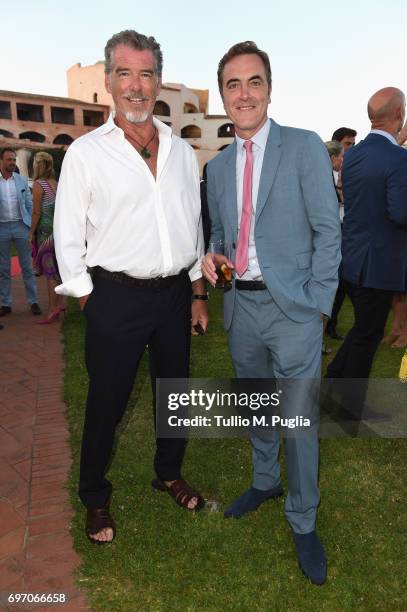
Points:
x=160, y=282
x=243, y=285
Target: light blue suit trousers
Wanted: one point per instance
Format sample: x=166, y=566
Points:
x=264, y=343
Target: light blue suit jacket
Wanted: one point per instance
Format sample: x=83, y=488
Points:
x=24, y=198
x=297, y=229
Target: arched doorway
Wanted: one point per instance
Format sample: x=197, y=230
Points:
x=162, y=109
x=227, y=130
x=191, y=131
x=63, y=139
x=34, y=136
x=190, y=108
x=6, y=134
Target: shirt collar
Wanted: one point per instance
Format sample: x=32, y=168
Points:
x=386, y=135
x=3, y=179
x=259, y=138
x=164, y=131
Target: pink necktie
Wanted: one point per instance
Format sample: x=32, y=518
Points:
x=242, y=251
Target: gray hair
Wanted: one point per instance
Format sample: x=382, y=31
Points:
x=134, y=40
x=334, y=147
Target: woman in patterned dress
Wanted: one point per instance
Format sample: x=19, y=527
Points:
x=44, y=193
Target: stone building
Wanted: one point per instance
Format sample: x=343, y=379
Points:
x=34, y=122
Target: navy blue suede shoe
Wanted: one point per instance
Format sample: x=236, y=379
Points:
x=311, y=556
x=251, y=500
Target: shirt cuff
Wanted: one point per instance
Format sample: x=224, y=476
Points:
x=195, y=273
x=76, y=287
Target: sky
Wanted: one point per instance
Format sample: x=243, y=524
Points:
x=327, y=58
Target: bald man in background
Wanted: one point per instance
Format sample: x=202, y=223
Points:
x=374, y=243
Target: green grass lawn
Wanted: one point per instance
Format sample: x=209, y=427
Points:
x=165, y=558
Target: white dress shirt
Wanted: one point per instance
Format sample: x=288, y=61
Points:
x=9, y=207
x=336, y=176
x=111, y=212
x=259, y=141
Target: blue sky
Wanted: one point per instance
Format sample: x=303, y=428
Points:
x=327, y=58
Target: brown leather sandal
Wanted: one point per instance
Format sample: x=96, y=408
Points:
x=96, y=520
x=181, y=492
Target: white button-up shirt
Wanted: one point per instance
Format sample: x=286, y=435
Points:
x=111, y=212
x=9, y=207
x=259, y=141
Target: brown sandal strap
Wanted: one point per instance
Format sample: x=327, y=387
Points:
x=98, y=519
x=182, y=493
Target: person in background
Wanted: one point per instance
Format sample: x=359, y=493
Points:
x=402, y=136
x=397, y=336
x=44, y=193
x=15, y=221
x=336, y=152
x=206, y=220
x=346, y=137
x=374, y=243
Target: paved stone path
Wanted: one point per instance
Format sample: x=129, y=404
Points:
x=36, y=554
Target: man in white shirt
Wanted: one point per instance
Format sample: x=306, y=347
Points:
x=271, y=194
x=129, y=243
x=15, y=222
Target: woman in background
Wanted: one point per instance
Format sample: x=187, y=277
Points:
x=397, y=336
x=44, y=193
x=336, y=152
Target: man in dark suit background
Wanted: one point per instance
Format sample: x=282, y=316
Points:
x=346, y=137
x=206, y=220
x=374, y=244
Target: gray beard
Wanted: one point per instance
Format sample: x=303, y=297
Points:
x=136, y=117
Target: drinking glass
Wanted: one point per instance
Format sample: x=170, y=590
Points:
x=222, y=247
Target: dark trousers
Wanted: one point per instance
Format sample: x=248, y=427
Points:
x=121, y=321
x=355, y=356
x=339, y=298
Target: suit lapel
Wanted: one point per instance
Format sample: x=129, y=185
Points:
x=19, y=186
x=230, y=186
x=271, y=160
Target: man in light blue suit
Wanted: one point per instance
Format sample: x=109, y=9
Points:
x=271, y=194
x=15, y=223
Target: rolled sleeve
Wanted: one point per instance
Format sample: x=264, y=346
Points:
x=77, y=287
x=195, y=273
